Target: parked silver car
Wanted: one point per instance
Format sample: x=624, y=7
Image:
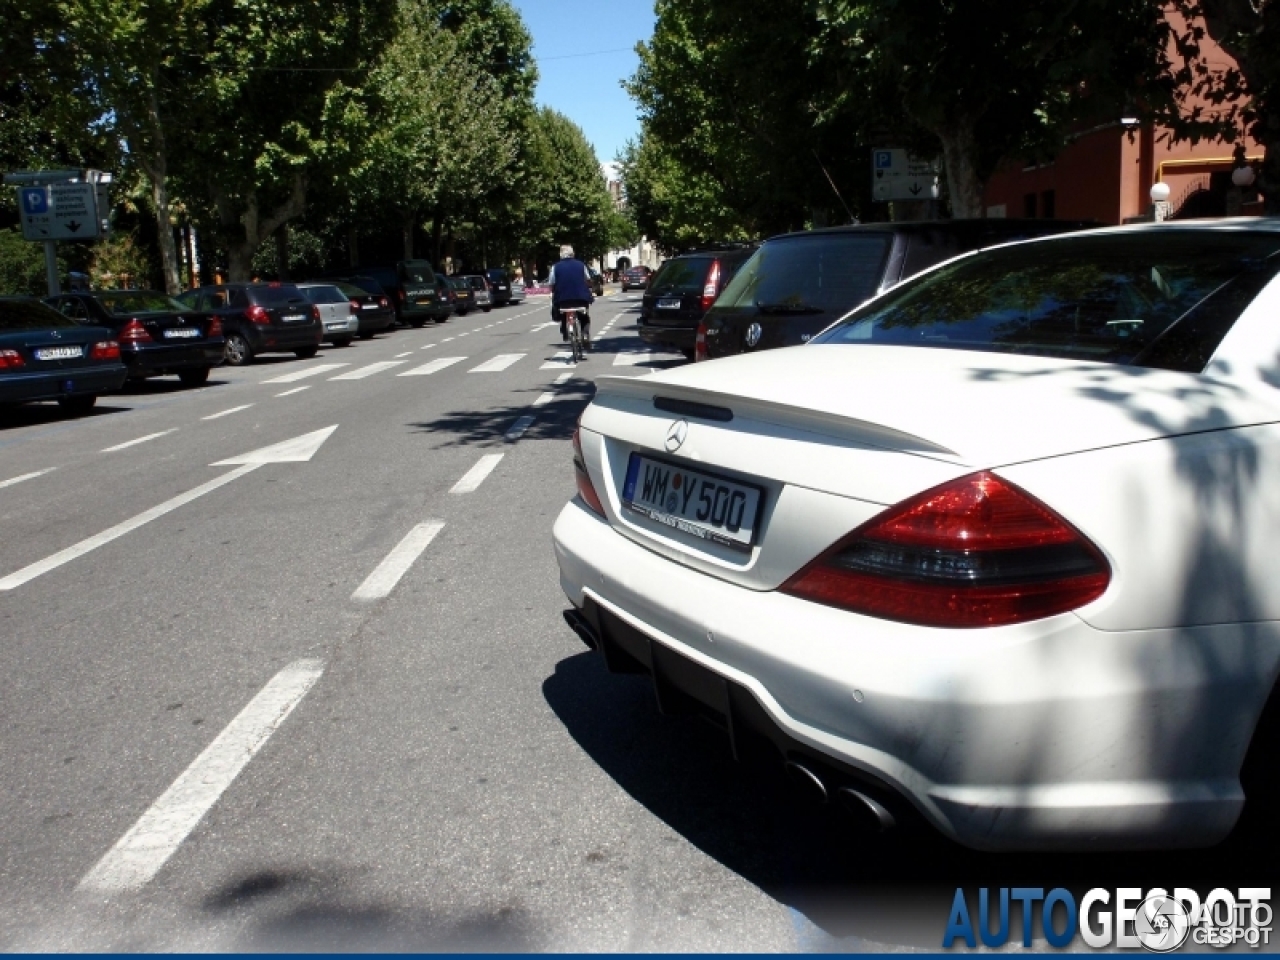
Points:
x=480, y=291
x=338, y=316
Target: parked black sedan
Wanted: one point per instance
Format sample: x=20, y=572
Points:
x=259, y=318
x=46, y=356
x=372, y=305
x=156, y=333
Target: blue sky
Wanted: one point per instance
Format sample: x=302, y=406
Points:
x=586, y=88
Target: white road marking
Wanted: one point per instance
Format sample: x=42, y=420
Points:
x=26, y=476
x=543, y=400
x=564, y=377
x=439, y=363
x=40, y=567
x=477, y=474
x=428, y=346
x=138, y=856
x=561, y=360
x=543, y=326
x=223, y=413
x=306, y=372
x=134, y=443
x=446, y=339
x=369, y=371
x=297, y=450
x=407, y=353
x=467, y=334
x=289, y=393
x=397, y=563
x=519, y=427
x=498, y=363
x=632, y=358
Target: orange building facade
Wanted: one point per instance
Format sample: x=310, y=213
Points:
x=1106, y=174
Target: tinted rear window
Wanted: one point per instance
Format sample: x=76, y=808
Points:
x=1155, y=300
x=275, y=295
x=686, y=275
x=324, y=294
x=497, y=276
x=142, y=301
x=820, y=273
x=416, y=271
x=30, y=315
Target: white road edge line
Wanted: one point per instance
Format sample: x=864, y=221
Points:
x=134, y=443
x=289, y=393
x=26, y=476
x=477, y=474
x=31, y=571
x=519, y=427
x=223, y=413
x=138, y=856
x=396, y=564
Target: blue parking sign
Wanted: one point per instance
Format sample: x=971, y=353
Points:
x=884, y=159
x=35, y=200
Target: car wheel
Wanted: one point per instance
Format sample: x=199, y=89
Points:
x=237, y=352
x=79, y=404
x=417, y=324
x=487, y=309
x=368, y=335
x=342, y=342
x=194, y=377
x=688, y=353
x=306, y=353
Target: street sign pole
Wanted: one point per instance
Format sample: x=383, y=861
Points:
x=51, y=267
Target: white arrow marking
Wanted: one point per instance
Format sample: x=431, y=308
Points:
x=149, y=843
x=297, y=450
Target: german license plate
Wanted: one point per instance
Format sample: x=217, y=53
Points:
x=182, y=333
x=695, y=502
x=292, y=317
x=668, y=304
x=59, y=353
x=368, y=306
x=336, y=326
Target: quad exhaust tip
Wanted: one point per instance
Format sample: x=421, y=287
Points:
x=868, y=811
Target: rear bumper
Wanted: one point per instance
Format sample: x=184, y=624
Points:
x=680, y=337
x=341, y=330
x=377, y=322
x=162, y=359
x=52, y=384
x=1049, y=735
x=283, y=339
x=435, y=313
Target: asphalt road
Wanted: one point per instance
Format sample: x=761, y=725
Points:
x=324, y=697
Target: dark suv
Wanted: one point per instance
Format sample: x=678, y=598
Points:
x=798, y=284
x=637, y=278
x=259, y=318
x=683, y=290
x=500, y=285
x=413, y=290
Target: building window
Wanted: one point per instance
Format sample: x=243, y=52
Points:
x=1048, y=205
x=1029, y=206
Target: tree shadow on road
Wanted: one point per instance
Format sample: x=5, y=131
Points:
x=490, y=427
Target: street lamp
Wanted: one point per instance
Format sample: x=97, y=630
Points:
x=1159, y=192
x=1243, y=176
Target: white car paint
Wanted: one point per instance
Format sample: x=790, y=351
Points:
x=1121, y=724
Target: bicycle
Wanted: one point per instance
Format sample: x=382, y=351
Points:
x=577, y=343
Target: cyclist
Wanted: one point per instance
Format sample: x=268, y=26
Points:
x=570, y=285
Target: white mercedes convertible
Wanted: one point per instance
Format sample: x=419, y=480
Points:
x=1000, y=549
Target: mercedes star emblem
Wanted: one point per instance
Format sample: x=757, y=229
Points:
x=676, y=434
x=753, y=334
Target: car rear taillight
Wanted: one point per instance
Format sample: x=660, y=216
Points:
x=215, y=328
x=315, y=313
x=11, y=360
x=975, y=552
x=355, y=307
x=257, y=314
x=709, y=289
x=585, y=489
x=134, y=332
x=105, y=350
x=700, y=342
x=383, y=303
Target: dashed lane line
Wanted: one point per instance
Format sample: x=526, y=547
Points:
x=396, y=564
x=225, y=413
x=436, y=365
x=134, y=443
x=472, y=479
x=362, y=372
x=306, y=372
x=289, y=393
x=632, y=358
x=559, y=361
x=564, y=377
x=407, y=353
x=13, y=481
x=543, y=400
x=519, y=427
x=140, y=854
x=498, y=363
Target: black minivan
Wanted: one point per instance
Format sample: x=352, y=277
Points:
x=413, y=290
x=798, y=284
x=683, y=290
